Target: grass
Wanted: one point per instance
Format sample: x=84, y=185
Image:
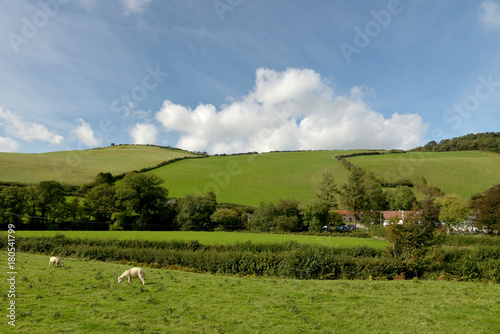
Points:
x=81, y=167
x=252, y=179
x=210, y=238
x=463, y=173
x=84, y=297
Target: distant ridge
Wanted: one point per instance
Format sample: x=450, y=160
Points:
x=488, y=141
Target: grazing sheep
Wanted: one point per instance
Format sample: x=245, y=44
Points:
x=55, y=261
x=134, y=272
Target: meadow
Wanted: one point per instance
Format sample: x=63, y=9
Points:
x=81, y=167
x=463, y=173
x=254, y=178
x=211, y=238
x=84, y=297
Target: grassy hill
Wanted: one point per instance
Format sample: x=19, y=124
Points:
x=463, y=173
x=254, y=178
x=80, y=167
x=251, y=179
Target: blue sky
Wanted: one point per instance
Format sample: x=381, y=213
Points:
x=229, y=76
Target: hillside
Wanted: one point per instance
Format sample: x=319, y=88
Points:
x=254, y=178
x=463, y=173
x=80, y=167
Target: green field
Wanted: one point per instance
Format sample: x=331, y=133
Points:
x=254, y=178
x=84, y=297
x=463, y=173
x=81, y=167
x=210, y=238
x=251, y=179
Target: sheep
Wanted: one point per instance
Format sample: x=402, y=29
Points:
x=55, y=261
x=134, y=272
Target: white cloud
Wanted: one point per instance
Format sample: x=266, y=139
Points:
x=143, y=133
x=290, y=110
x=489, y=15
x=84, y=134
x=8, y=144
x=16, y=127
x=134, y=6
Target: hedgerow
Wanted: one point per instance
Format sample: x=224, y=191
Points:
x=283, y=260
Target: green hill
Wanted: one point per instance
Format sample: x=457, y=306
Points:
x=254, y=178
x=81, y=167
x=463, y=173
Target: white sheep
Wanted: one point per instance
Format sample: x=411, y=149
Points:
x=134, y=272
x=55, y=261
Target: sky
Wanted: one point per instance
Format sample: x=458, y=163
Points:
x=234, y=76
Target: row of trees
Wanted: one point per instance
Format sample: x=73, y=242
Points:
x=489, y=141
x=140, y=202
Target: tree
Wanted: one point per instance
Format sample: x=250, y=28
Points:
x=354, y=194
x=411, y=240
x=454, y=209
x=328, y=191
x=195, y=211
x=315, y=215
x=12, y=205
x=100, y=202
x=263, y=218
x=143, y=198
x=487, y=209
x=402, y=198
x=227, y=219
x=104, y=178
x=50, y=196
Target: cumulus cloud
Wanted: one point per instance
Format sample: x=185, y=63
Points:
x=143, y=133
x=489, y=15
x=84, y=134
x=8, y=144
x=293, y=109
x=15, y=126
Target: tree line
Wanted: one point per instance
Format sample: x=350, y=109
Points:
x=140, y=202
x=488, y=141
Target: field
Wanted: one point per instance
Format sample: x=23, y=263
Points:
x=81, y=167
x=210, y=238
x=251, y=179
x=254, y=178
x=84, y=297
x=463, y=173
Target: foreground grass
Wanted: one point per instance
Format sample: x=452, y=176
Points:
x=84, y=297
x=209, y=238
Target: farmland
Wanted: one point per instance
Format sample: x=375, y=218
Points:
x=463, y=173
x=84, y=297
x=250, y=179
x=210, y=238
x=81, y=167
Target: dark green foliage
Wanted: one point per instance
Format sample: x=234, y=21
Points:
x=285, y=260
x=488, y=141
x=194, y=212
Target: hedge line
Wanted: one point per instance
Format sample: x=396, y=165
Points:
x=283, y=260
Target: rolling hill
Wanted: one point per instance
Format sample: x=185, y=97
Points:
x=81, y=167
x=253, y=178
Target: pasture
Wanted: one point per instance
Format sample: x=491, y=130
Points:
x=84, y=297
x=81, y=167
x=254, y=178
x=463, y=173
x=211, y=238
